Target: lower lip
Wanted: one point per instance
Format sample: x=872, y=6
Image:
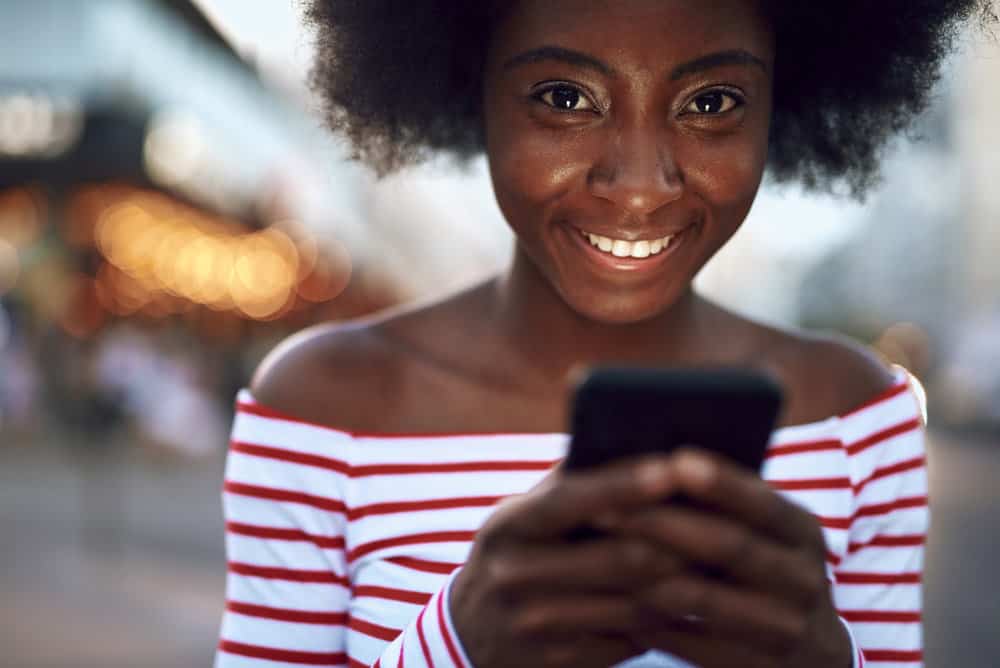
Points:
x=628, y=264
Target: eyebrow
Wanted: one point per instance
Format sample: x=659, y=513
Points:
x=578, y=59
x=717, y=59
x=559, y=55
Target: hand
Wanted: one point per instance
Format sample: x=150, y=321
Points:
x=529, y=595
x=767, y=601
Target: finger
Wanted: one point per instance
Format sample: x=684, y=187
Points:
x=605, y=564
x=575, y=650
x=544, y=618
x=566, y=501
x=702, y=648
x=738, y=551
x=743, y=615
x=727, y=487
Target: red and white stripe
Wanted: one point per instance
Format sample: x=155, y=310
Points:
x=341, y=546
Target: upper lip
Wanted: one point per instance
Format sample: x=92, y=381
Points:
x=633, y=235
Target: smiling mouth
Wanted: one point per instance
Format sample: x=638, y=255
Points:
x=621, y=248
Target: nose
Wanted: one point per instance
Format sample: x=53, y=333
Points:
x=637, y=172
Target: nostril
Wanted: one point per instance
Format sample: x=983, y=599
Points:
x=640, y=183
x=640, y=199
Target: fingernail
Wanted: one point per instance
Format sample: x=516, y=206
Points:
x=698, y=468
x=653, y=476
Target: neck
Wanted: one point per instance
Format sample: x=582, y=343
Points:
x=550, y=338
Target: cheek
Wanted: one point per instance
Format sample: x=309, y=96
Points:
x=532, y=168
x=727, y=174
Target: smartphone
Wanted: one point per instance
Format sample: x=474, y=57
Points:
x=622, y=412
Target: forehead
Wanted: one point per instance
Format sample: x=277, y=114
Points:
x=647, y=31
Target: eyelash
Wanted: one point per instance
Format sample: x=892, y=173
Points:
x=539, y=96
x=737, y=101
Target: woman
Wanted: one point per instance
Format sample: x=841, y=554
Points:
x=626, y=141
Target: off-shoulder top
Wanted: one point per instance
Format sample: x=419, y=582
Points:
x=342, y=546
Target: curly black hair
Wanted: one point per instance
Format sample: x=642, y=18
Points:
x=403, y=79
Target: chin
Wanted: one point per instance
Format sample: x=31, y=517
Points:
x=618, y=311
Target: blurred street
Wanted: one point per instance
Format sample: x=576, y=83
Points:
x=962, y=592
x=119, y=561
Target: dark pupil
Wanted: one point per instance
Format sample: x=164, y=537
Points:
x=710, y=103
x=565, y=98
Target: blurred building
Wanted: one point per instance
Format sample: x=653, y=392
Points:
x=977, y=131
x=921, y=276
x=152, y=185
x=119, y=102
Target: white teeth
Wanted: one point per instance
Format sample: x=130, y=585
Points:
x=621, y=248
x=640, y=249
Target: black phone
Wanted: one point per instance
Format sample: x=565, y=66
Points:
x=622, y=412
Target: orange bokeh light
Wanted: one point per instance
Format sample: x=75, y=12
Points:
x=176, y=251
x=22, y=214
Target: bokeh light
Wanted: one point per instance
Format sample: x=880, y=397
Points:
x=22, y=211
x=167, y=257
x=36, y=125
x=174, y=149
x=329, y=275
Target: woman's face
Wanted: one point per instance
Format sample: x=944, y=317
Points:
x=626, y=141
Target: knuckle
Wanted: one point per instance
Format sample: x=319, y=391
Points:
x=490, y=535
x=541, y=504
x=503, y=574
x=556, y=489
x=529, y=623
x=499, y=526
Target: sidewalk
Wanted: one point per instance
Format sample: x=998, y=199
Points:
x=110, y=565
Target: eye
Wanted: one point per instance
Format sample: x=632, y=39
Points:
x=564, y=98
x=715, y=102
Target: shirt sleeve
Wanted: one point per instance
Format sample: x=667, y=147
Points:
x=430, y=640
x=288, y=587
x=877, y=583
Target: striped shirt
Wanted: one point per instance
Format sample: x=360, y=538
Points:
x=342, y=546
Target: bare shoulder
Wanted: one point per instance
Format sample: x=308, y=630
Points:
x=826, y=374
x=333, y=374
x=392, y=372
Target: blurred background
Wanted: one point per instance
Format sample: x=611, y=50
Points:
x=170, y=208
